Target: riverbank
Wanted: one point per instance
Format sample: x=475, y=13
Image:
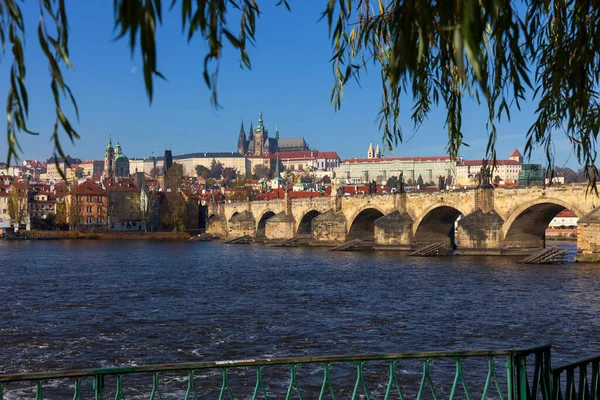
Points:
x=112, y=235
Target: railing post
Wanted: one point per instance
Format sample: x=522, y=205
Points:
x=510, y=374
x=522, y=387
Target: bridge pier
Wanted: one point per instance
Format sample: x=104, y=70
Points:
x=217, y=226
x=480, y=233
x=242, y=224
x=280, y=227
x=394, y=231
x=588, y=237
x=329, y=227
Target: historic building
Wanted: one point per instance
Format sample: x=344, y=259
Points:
x=115, y=162
x=507, y=170
x=258, y=142
x=361, y=170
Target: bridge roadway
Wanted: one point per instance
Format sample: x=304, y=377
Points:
x=492, y=221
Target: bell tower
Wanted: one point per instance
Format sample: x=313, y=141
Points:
x=109, y=159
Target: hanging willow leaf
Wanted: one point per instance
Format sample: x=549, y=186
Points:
x=438, y=52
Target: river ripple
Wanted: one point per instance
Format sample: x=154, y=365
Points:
x=76, y=304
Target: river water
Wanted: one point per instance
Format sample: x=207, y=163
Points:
x=82, y=304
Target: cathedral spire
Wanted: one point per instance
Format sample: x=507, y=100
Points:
x=242, y=144
x=250, y=133
x=277, y=131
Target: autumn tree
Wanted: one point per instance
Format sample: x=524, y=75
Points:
x=216, y=169
x=392, y=182
x=228, y=175
x=202, y=172
x=174, y=177
x=174, y=211
x=442, y=53
x=73, y=207
x=18, y=200
x=260, y=171
x=149, y=206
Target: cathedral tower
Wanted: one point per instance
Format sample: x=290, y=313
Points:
x=242, y=144
x=260, y=138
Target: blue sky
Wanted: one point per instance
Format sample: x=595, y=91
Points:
x=290, y=82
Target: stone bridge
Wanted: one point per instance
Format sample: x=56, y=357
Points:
x=492, y=221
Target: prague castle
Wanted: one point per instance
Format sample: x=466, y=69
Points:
x=259, y=143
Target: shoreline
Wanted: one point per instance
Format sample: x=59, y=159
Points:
x=101, y=235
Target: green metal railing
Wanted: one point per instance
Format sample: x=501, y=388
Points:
x=578, y=380
x=502, y=374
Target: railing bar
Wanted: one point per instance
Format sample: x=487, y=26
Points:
x=456, y=378
x=155, y=387
x=464, y=383
x=495, y=379
x=293, y=384
x=38, y=390
x=76, y=390
x=594, y=395
x=510, y=372
x=556, y=390
x=259, y=385
x=488, y=379
x=257, y=362
x=535, y=384
x=191, y=389
x=119, y=392
x=547, y=376
x=225, y=385
x=98, y=386
x=393, y=381
x=584, y=391
x=587, y=360
x=570, y=388
x=326, y=383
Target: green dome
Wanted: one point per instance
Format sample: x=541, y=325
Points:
x=121, y=158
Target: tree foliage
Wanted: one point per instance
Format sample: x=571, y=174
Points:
x=438, y=52
x=216, y=169
x=174, y=177
x=261, y=171
x=18, y=200
x=202, y=172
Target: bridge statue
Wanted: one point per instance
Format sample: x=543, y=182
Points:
x=485, y=177
x=400, y=183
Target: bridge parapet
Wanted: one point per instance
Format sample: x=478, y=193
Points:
x=494, y=220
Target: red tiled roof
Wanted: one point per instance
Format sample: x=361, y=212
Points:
x=516, y=153
x=121, y=185
x=376, y=160
x=328, y=154
x=287, y=155
x=489, y=162
x=566, y=213
x=89, y=188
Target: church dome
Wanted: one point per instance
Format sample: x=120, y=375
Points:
x=121, y=158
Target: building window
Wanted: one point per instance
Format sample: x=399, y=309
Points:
x=99, y=209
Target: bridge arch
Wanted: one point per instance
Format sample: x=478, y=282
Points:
x=436, y=224
x=261, y=225
x=362, y=225
x=526, y=226
x=305, y=225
